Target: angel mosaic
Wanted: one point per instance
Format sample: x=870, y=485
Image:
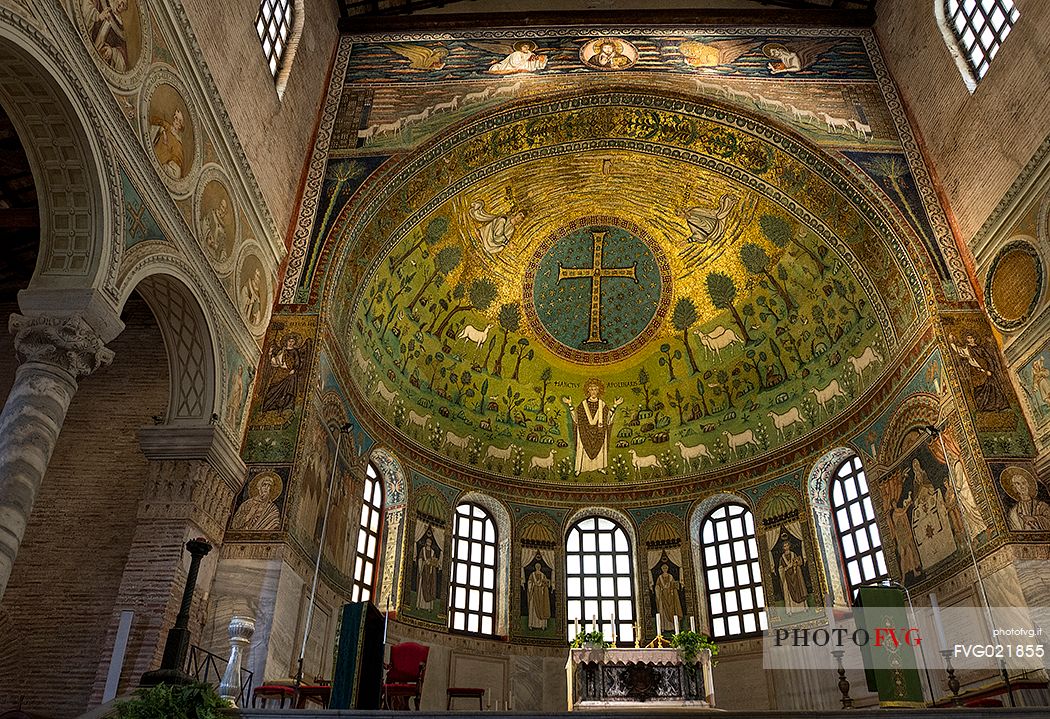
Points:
x=420, y=57
x=787, y=60
x=715, y=53
x=518, y=57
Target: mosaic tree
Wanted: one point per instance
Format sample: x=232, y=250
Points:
x=446, y=261
x=778, y=231
x=757, y=261
x=722, y=290
x=509, y=320
x=432, y=235
x=683, y=318
x=479, y=294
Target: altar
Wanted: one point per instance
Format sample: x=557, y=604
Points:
x=643, y=678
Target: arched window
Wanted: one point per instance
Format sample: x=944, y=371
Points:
x=367, y=551
x=854, y=517
x=600, y=579
x=472, y=599
x=978, y=29
x=274, y=25
x=736, y=604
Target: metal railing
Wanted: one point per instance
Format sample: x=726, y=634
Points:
x=206, y=667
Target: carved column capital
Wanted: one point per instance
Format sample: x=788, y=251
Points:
x=68, y=343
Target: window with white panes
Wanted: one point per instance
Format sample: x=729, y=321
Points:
x=860, y=544
x=980, y=27
x=366, y=565
x=600, y=580
x=274, y=26
x=736, y=604
x=472, y=599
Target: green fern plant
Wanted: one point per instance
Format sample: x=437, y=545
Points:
x=172, y=701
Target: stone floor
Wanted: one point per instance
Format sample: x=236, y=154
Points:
x=961, y=713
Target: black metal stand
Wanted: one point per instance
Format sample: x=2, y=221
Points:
x=178, y=641
x=953, y=681
x=847, y=702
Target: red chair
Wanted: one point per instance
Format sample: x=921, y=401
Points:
x=404, y=675
x=274, y=692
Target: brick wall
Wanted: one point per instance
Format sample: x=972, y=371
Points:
x=978, y=143
x=277, y=134
x=72, y=558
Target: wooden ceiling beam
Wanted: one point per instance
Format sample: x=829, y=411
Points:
x=449, y=22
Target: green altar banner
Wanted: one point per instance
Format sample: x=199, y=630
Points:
x=890, y=665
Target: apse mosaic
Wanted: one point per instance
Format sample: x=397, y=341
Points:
x=592, y=259
x=720, y=305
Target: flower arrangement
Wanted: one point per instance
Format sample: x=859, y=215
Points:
x=591, y=639
x=690, y=644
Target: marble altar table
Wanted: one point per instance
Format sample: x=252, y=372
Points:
x=644, y=678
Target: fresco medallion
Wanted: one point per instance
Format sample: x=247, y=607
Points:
x=597, y=289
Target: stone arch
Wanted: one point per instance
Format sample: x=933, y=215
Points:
x=818, y=493
x=194, y=364
x=501, y=517
x=392, y=474
x=73, y=171
x=697, y=516
x=907, y=426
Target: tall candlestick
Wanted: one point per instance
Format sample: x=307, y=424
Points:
x=937, y=621
x=692, y=624
x=659, y=631
x=676, y=630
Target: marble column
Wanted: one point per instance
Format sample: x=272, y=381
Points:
x=53, y=354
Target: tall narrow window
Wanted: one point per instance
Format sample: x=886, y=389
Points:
x=365, y=555
x=472, y=601
x=736, y=604
x=274, y=25
x=859, y=540
x=600, y=579
x=980, y=27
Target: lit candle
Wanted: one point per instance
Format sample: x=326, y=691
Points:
x=594, y=623
x=676, y=630
x=576, y=633
x=692, y=624
x=937, y=621
x=612, y=625
x=659, y=631
x=829, y=610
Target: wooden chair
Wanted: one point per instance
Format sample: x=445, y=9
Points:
x=404, y=675
x=465, y=693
